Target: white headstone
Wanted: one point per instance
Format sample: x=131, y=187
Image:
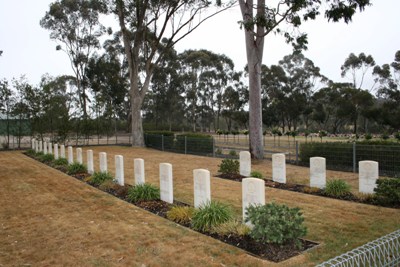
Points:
x=56, y=156
x=45, y=148
x=50, y=148
x=89, y=156
x=70, y=155
x=40, y=146
x=138, y=165
x=33, y=144
x=37, y=146
x=202, y=190
x=279, y=168
x=318, y=172
x=62, y=151
x=79, y=155
x=103, y=161
x=245, y=163
x=253, y=193
x=368, y=174
x=166, y=186
x=119, y=169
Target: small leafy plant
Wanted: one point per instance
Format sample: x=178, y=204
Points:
x=232, y=227
x=61, y=162
x=46, y=158
x=256, y=174
x=181, y=214
x=76, y=168
x=388, y=191
x=276, y=224
x=211, y=214
x=143, y=192
x=229, y=166
x=99, y=178
x=337, y=188
x=233, y=153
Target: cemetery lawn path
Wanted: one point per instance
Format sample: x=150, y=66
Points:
x=50, y=219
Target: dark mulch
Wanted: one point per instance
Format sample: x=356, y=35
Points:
x=157, y=207
x=232, y=176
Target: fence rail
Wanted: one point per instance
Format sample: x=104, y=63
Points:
x=382, y=252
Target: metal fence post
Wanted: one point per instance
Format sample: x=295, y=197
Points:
x=185, y=144
x=297, y=152
x=162, y=142
x=354, y=158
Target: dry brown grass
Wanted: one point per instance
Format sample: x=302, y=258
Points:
x=50, y=219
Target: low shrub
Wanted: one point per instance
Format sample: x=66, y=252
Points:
x=232, y=227
x=337, y=188
x=256, y=174
x=229, y=166
x=143, y=192
x=233, y=153
x=61, y=162
x=76, y=168
x=276, y=224
x=99, y=178
x=30, y=152
x=218, y=151
x=210, y=215
x=181, y=214
x=388, y=191
x=46, y=158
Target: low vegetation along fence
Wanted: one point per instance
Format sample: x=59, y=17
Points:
x=383, y=252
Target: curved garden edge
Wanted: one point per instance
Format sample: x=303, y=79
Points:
x=274, y=253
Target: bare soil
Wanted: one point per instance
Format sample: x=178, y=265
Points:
x=50, y=219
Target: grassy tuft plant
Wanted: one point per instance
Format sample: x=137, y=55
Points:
x=210, y=215
x=229, y=166
x=233, y=153
x=30, y=152
x=232, y=227
x=46, y=158
x=337, y=188
x=143, y=192
x=256, y=174
x=181, y=214
x=76, y=168
x=61, y=162
x=99, y=178
x=276, y=224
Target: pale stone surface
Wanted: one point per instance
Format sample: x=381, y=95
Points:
x=253, y=193
x=318, y=172
x=45, y=148
x=70, y=155
x=119, y=169
x=40, y=146
x=56, y=156
x=279, y=168
x=89, y=157
x=202, y=189
x=138, y=165
x=62, y=151
x=50, y=148
x=368, y=174
x=103, y=161
x=37, y=146
x=245, y=163
x=33, y=144
x=166, y=183
x=79, y=155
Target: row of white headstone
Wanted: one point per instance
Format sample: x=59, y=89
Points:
x=368, y=171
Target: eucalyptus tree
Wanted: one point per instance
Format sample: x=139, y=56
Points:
x=259, y=20
x=388, y=77
x=144, y=25
x=357, y=67
x=75, y=26
x=7, y=102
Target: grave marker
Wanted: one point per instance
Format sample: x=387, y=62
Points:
x=166, y=186
x=62, y=151
x=245, y=163
x=89, y=157
x=202, y=190
x=253, y=193
x=45, y=148
x=368, y=174
x=56, y=156
x=279, y=168
x=138, y=165
x=79, y=155
x=318, y=172
x=50, y=148
x=119, y=169
x=70, y=155
x=103, y=161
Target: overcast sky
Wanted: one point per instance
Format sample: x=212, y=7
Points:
x=29, y=51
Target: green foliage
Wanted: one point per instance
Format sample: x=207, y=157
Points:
x=76, y=168
x=46, y=158
x=165, y=133
x=30, y=152
x=397, y=136
x=99, y=178
x=245, y=132
x=210, y=215
x=233, y=153
x=276, y=224
x=388, y=191
x=61, y=162
x=218, y=151
x=256, y=174
x=337, y=188
x=229, y=166
x=195, y=135
x=143, y=192
x=181, y=214
x=232, y=227
x=385, y=136
x=368, y=136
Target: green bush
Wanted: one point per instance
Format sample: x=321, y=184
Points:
x=61, y=162
x=46, y=158
x=100, y=177
x=233, y=153
x=276, y=224
x=76, y=168
x=143, y=192
x=337, y=188
x=229, y=166
x=30, y=152
x=210, y=215
x=388, y=191
x=165, y=133
x=256, y=174
x=181, y=214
